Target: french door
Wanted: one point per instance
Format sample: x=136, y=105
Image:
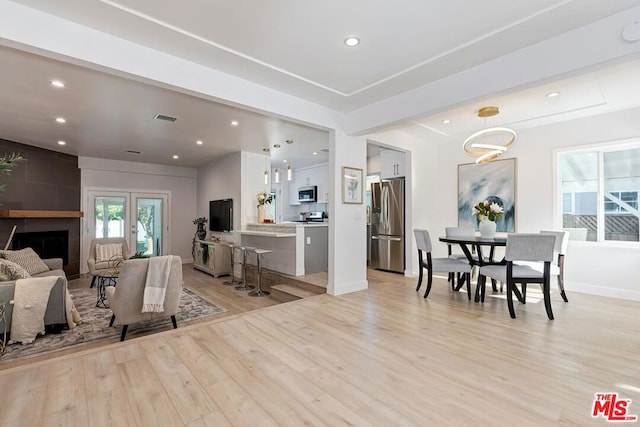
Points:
x=140, y=218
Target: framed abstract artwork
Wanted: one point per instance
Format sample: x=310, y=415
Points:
x=493, y=182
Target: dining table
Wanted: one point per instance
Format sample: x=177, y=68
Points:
x=469, y=244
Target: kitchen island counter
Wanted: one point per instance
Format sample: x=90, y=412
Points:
x=296, y=248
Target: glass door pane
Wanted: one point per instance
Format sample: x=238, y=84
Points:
x=109, y=219
x=150, y=212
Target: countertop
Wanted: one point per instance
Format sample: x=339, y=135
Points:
x=266, y=233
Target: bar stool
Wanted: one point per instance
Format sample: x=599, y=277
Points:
x=259, y=292
x=233, y=280
x=244, y=286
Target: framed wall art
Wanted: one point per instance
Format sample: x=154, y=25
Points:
x=494, y=182
x=352, y=185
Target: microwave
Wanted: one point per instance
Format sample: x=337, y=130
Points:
x=307, y=194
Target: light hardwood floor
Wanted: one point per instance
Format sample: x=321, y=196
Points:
x=384, y=356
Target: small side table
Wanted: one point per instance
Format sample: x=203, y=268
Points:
x=103, y=280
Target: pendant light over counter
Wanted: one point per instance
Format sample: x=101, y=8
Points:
x=289, y=167
x=266, y=169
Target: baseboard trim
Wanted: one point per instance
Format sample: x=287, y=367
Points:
x=586, y=288
x=347, y=288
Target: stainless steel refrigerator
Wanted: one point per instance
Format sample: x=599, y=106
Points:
x=387, y=225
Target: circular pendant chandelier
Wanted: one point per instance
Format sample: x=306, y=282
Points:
x=490, y=143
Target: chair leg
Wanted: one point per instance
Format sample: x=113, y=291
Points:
x=124, y=332
x=429, y=282
x=561, y=287
x=494, y=284
x=547, y=299
x=468, y=276
x=175, y=323
x=419, y=275
x=479, y=285
x=93, y=282
x=512, y=311
x=113, y=318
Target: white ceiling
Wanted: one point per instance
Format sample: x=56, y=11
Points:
x=297, y=48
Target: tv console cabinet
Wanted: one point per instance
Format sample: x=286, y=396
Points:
x=212, y=257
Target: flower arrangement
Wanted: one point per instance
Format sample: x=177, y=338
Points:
x=492, y=211
x=200, y=220
x=264, y=197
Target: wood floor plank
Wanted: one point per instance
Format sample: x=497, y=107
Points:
x=148, y=398
x=184, y=391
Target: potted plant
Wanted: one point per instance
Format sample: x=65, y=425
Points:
x=201, y=233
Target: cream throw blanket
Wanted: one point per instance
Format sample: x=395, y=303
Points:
x=30, y=302
x=155, y=286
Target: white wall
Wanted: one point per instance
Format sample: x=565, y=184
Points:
x=253, y=167
x=347, y=222
x=179, y=182
x=610, y=269
x=221, y=180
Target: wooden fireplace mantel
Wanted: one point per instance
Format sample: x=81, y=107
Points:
x=20, y=213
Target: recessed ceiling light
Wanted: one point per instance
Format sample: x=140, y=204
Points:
x=62, y=143
x=284, y=161
x=552, y=94
x=234, y=123
x=199, y=142
x=315, y=153
x=57, y=83
x=61, y=120
x=175, y=156
x=352, y=41
x=446, y=121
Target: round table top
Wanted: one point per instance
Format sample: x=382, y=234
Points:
x=476, y=240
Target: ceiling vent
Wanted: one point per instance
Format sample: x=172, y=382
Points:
x=165, y=118
x=325, y=150
x=133, y=151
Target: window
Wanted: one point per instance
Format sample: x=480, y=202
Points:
x=599, y=190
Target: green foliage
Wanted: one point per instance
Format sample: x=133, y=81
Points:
x=7, y=163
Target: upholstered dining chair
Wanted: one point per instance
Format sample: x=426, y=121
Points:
x=125, y=299
x=444, y=265
x=103, y=252
x=465, y=231
x=557, y=265
x=531, y=247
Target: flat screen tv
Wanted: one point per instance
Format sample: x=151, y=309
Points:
x=221, y=215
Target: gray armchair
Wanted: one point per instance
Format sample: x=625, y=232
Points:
x=100, y=266
x=125, y=299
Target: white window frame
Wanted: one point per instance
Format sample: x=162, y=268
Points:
x=599, y=149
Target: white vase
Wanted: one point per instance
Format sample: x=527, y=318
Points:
x=260, y=214
x=487, y=228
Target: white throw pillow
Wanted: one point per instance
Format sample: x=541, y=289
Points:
x=106, y=252
x=28, y=259
x=11, y=271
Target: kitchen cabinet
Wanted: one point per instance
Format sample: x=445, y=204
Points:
x=293, y=190
x=315, y=175
x=306, y=177
x=322, y=179
x=392, y=164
